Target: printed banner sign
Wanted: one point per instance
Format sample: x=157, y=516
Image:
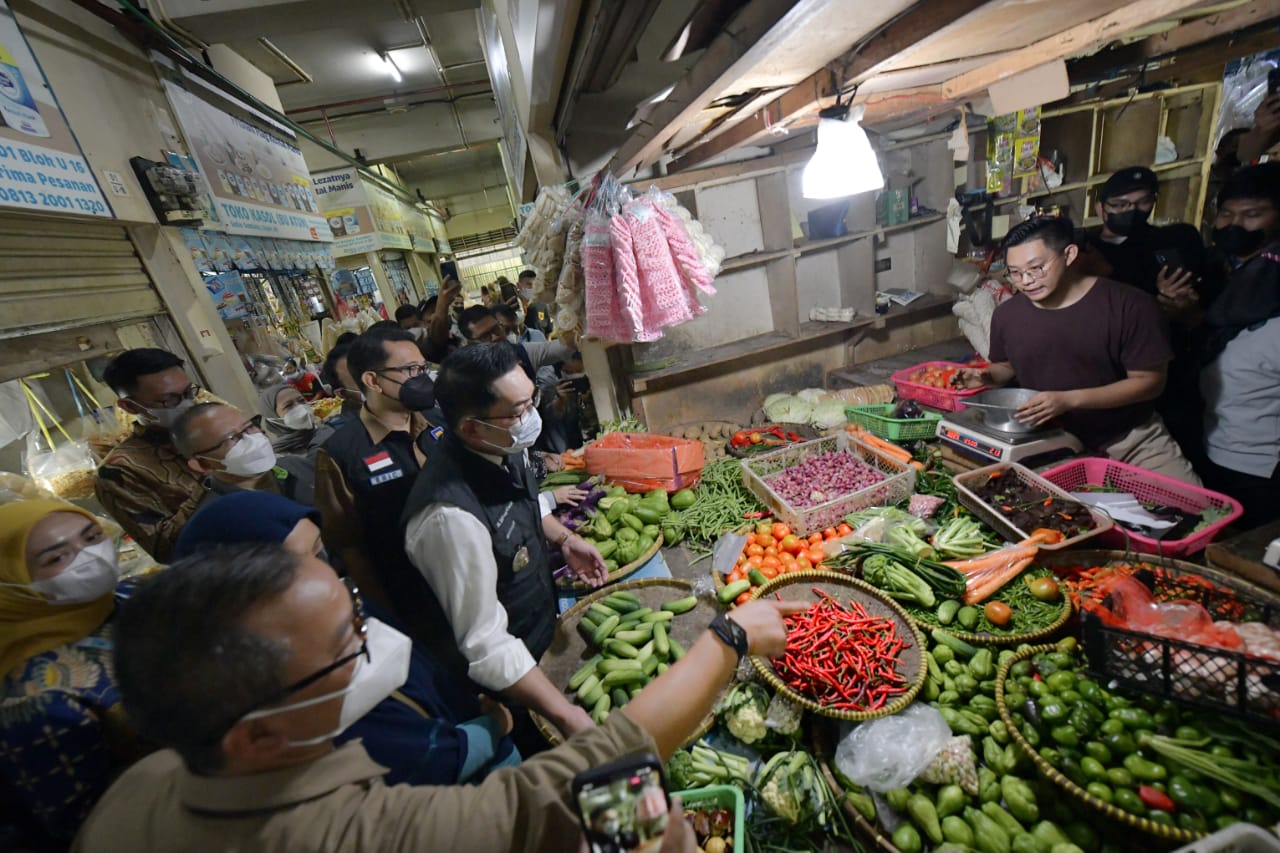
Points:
x=258, y=180
x=41, y=164
x=362, y=217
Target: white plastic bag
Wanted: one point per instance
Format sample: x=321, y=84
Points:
x=890, y=752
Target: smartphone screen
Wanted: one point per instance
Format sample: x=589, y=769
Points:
x=623, y=811
x=1169, y=258
x=448, y=270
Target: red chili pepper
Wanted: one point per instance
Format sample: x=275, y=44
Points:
x=753, y=515
x=1153, y=798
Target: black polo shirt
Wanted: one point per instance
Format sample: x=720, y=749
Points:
x=1134, y=261
x=380, y=466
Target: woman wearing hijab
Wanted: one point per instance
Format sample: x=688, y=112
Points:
x=294, y=432
x=1241, y=374
x=63, y=736
x=434, y=730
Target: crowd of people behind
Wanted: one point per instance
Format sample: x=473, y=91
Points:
x=342, y=652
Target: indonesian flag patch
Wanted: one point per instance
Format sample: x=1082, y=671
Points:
x=378, y=461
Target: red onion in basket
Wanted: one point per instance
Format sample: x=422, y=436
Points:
x=823, y=477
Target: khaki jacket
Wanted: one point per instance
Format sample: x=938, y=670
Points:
x=339, y=803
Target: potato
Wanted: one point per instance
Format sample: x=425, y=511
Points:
x=693, y=433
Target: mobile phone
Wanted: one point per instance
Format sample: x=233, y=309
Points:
x=580, y=383
x=623, y=805
x=1273, y=81
x=448, y=270
x=1170, y=258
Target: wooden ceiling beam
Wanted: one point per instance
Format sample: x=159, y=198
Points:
x=806, y=97
x=1256, y=16
x=1071, y=41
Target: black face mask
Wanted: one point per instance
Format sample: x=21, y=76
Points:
x=1237, y=241
x=1128, y=222
x=418, y=393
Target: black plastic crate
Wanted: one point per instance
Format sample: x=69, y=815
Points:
x=1191, y=674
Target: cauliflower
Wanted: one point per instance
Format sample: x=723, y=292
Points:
x=780, y=801
x=792, y=788
x=743, y=712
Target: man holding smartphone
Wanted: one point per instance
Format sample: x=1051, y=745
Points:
x=285, y=647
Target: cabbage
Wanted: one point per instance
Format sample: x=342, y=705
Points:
x=811, y=395
x=773, y=398
x=788, y=410
x=829, y=414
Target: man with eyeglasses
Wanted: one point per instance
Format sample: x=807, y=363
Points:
x=231, y=453
x=477, y=529
x=242, y=663
x=144, y=483
x=1095, y=349
x=378, y=455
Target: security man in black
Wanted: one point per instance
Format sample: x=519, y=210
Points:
x=364, y=472
x=477, y=530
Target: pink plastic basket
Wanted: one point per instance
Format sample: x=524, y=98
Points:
x=1076, y=474
x=938, y=398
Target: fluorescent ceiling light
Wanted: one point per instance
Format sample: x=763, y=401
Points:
x=391, y=68
x=844, y=164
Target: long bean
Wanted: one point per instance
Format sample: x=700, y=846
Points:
x=722, y=503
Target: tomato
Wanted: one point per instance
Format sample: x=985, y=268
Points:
x=770, y=572
x=764, y=528
x=751, y=539
x=829, y=533
x=803, y=562
x=843, y=530
x=771, y=561
x=780, y=530
x=997, y=613
x=791, y=544
x=745, y=597
x=816, y=555
x=815, y=538
x=755, y=562
x=736, y=575
x=753, y=550
x=766, y=541
x=771, y=551
x=1045, y=589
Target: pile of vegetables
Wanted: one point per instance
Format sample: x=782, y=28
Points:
x=701, y=765
x=791, y=786
x=623, y=527
x=938, y=375
x=823, y=477
x=841, y=657
x=1190, y=769
x=712, y=434
x=825, y=411
x=712, y=828
x=939, y=578
x=1029, y=507
x=1029, y=605
x=763, y=439
x=719, y=504
x=634, y=644
x=771, y=550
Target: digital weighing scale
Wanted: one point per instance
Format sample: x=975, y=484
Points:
x=966, y=433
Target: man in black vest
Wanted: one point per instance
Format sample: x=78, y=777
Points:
x=478, y=531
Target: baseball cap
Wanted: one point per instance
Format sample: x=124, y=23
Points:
x=1127, y=180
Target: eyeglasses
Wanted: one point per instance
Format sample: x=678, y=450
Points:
x=251, y=426
x=1030, y=274
x=358, y=619
x=1123, y=205
x=172, y=401
x=533, y=403
x=411, y=370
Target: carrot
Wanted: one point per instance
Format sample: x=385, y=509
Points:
x=980, y=588
x=875, y=442
x=1043, y=536
x=993, y=559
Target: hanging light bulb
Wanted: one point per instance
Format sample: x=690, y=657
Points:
x=845, y=163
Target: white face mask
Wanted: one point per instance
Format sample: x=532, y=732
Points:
x=373, y=680
x=523, y=432
x=91, y=574
x=418, y=332
x=526, y=293
x=299, y=418
x=250, y=456
x=165, y=418
x=513, y=338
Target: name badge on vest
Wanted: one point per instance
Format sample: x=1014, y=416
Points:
x=520, y=560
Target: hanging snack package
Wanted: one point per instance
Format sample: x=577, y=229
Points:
x=66, y=470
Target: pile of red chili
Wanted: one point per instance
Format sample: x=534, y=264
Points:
x=841, y=657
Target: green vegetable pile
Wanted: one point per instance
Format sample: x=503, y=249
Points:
x=720, y=503
x=700, y=766
x=1030, y=614
x=634, y=645
x=623, y=526
x=1191, y=769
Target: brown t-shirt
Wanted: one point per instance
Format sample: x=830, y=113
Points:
x=1113, y=329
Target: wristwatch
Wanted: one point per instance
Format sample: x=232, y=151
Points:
x=730, y=633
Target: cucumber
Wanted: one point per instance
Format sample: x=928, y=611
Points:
x=663, y=667
x=681, y=605
x=619, y=697
x=604, y=630
x=590, y=683
x=957, y=645
x=609, y=665
x=947, y=611
x=627, y=594
x=601, y=708
x=601, y=612
x=661, y=647
x=622, y=605
x=757, y=577
x=586, y=623
x=622, y=678
x=677, y=650
x=621, y=649
x=660, y=616
x=635, y=638
x=733, y=590
x=636, y=616
x=588, y=669
x=651, y=665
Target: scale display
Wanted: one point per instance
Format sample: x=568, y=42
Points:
x=971, y=443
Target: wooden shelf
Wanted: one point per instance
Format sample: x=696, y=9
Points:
x=719, y=359
x=1097, y=180
x=805, y=247
x=752, y=259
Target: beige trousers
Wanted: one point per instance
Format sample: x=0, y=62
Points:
x=1150, y=446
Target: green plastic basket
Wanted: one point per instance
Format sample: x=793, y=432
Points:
x=720, y=797
x=876, y=420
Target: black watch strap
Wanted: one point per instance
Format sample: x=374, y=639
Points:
x=731, y=634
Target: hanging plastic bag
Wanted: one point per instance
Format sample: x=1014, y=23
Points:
x=66, y=470
x=892, y=751
x=101, y=427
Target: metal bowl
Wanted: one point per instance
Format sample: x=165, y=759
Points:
x=998, y=407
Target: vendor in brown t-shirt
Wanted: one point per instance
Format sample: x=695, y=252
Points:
x=1096, y=350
